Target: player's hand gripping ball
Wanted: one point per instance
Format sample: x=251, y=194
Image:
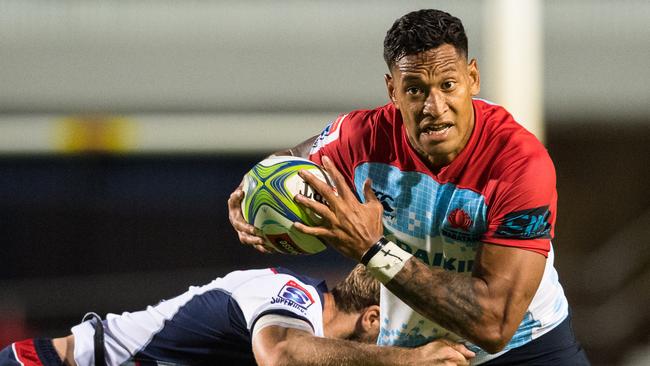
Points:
x=268, y=203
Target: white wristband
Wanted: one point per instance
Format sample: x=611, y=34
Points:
x=387, y=261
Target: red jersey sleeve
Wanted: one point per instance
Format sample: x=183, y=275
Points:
x=522, y=209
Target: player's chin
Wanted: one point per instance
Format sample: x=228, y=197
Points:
x=440, y=149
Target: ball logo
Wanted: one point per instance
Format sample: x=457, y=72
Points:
x=459, y=219
x=310, y=192
x=284, y=242
x=296, y=294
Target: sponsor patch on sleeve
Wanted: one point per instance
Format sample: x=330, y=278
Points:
x=526, y=224
x=292, y=294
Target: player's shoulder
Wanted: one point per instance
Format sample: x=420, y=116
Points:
x=238, y=277
x=505, y=142
x=268, y=279
x=281, y=292
x=319, y=284
x=502, y=132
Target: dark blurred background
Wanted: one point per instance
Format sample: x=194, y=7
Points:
x=124, y=126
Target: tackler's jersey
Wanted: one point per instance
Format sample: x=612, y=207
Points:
x=499, y=190
x=207, y=325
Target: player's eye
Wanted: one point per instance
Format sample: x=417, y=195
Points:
x=413, y=90
x=448, y=85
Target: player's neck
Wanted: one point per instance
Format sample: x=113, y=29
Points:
x=329, y=312
x=336, y=323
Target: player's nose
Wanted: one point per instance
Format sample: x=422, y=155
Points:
x=435, y=105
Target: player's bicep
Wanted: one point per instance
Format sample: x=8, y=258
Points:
x=508, y=278
x=283, y=321
x=271, y=336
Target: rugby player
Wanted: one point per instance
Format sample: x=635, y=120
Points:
x=266, y=316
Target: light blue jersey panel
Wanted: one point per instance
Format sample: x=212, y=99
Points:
x=438, y=223
x=442, y=224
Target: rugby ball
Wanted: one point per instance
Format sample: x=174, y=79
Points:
x=268, y=204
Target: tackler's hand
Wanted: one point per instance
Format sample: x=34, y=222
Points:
x=442, y=352
x=246, y=232
x=351, y=227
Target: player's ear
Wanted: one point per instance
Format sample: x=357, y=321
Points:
x=474, y=77
x=390, y=87
x=370, y=321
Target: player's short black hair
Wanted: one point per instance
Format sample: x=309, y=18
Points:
x=357, y=291
x=423, y=30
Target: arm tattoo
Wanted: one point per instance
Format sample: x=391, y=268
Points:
x=447, y=298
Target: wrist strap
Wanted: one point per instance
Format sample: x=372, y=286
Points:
x=373, y=250
x=385, y=259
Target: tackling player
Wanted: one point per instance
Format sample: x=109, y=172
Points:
x=458, y=206
x=269, y=316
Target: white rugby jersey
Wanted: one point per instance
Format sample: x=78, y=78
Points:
x=207, y=325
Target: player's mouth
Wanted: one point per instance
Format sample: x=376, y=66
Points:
x=436, y=132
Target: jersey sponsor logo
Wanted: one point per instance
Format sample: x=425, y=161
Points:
x=438, y=259
x=526, y=224
x=387, y=203
x=458, y=226
x=294, y=295
x=459, y=219
x=461, y=236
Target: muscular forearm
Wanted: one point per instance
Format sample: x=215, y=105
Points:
x=279, y=346
x=448, y=298
x=331, y=352
x=485, y=308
